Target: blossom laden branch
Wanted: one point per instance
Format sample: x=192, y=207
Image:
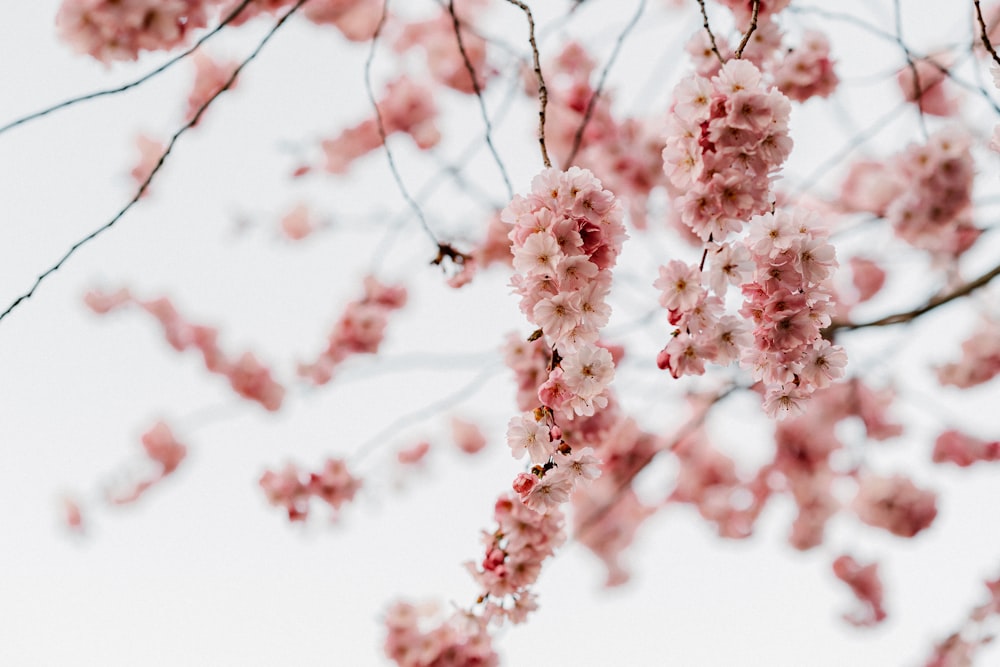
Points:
x=711, y=35
x=156, y=168
x=984, y=32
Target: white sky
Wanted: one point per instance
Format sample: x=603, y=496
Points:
x=202, y=571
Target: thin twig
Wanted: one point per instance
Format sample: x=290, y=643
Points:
x=159, y=164
x=592, y=102
x=479, y=96
x=381, y=128
x=911, y=315
x=708, y=29
x=753, y=26
x=543, y=93
x=918, y=91
x=121, y=89
x=985, y=33
x=463, y=393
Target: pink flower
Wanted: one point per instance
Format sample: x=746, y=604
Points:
x=679, y=285
x=467, y=436
x=895, y=504
x=551, y=491
x=866, y=586
x=524, y=434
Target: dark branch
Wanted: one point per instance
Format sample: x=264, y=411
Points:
x=543, y=93
x=910, y=315
x=750, y=30
x=121, y=89
x=159, y=164
x=708, y=29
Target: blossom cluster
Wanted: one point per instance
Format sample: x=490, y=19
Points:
x=164, y=451
x=291, y=488
x=866, y=586
x=566, y=237
x=980, y=360
x=359, y=330
x=247, y=376
x=513, y=559
x=405, y=107
x=415, y=638
x=112, y=30
x=782, y=267
x=726, y=137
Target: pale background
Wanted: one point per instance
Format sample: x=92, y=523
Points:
x=202, y=572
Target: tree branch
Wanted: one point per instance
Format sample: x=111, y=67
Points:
x=910, y=315
x=121, y=89
x=708, y=29
x=479, y=96
x=159, y=164
x=750, y=30
x=543, y=93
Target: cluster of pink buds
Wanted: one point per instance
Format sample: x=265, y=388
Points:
x=515, y=550
x=292, y=489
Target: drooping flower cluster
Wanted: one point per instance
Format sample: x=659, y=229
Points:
x=416, y=637
x=247, y=376
x=515, y=551
x=110, y=30
x=406, y=107
x=726, y=138
x=164, y=451
x=566, y=236
x=291, y=488
x=360, y=329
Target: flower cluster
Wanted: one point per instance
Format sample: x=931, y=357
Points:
x=164, y=451
x=895, y=504
x=782, y=266
x=515, y=550
x=291, y=488
x=405, y=107
x=247, y=376
x=459, y=640
x=360, y=329
x=110, y=30
x=807, y=71
x=726, y=138
x=980, y=360
x=933, y=206
x=566, y=236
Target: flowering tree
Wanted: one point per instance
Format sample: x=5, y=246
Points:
x=744, y=213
